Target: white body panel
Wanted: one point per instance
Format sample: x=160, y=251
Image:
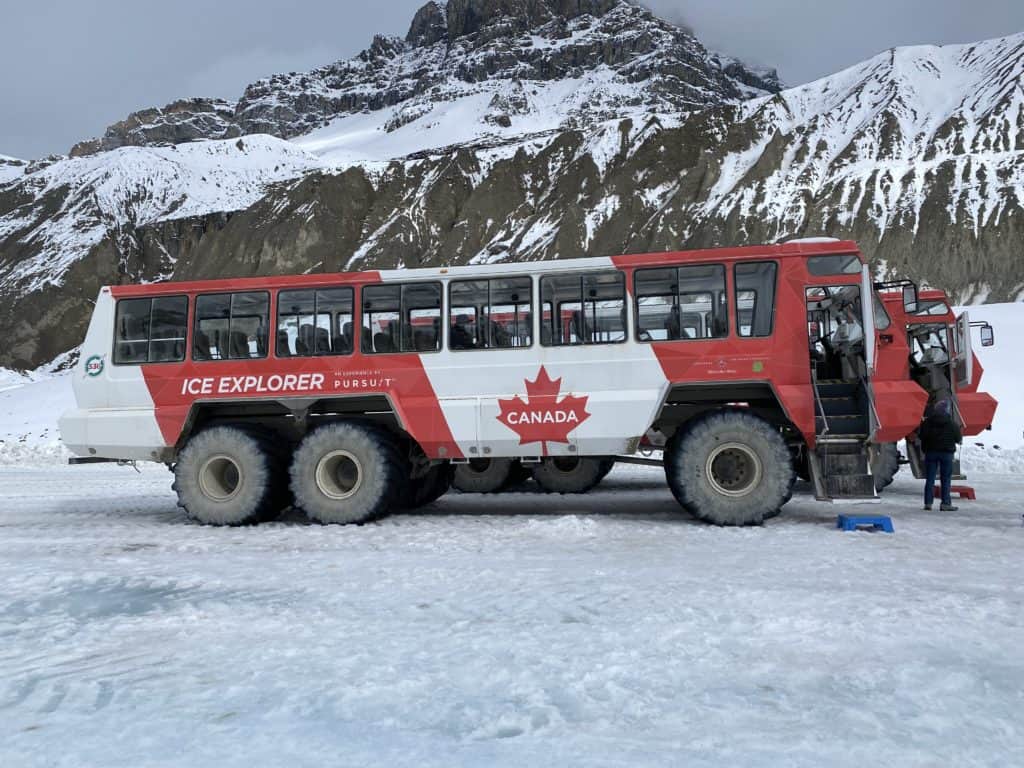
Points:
x=115, y=417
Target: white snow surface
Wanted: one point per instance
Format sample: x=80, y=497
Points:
x=524, y=629
x=11, y=168
x=1004, y=371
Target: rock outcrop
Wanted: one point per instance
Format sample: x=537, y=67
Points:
x=454, y=49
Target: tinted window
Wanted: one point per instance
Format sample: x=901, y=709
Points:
x=401, y=318
x=315, y=322
x=821, y=266
x=150, y=330
x=681, y=303
x=231, y=326
x=755, y=298
x=931, y=307
x=490, y=314
x=583, y=309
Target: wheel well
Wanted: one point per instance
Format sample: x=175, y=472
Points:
x=292, y=419
x=686, y=402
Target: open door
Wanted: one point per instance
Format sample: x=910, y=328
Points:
x=963, y=362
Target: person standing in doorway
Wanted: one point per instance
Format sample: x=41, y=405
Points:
x=939, y=435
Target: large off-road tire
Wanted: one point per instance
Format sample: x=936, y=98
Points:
x=607, y=465
x=348, y=472
x=226, y=476
x=431, y=487
x=785, y=499
x=729, y=468
x=568, y=474
x=482, y=475
x=885, y=463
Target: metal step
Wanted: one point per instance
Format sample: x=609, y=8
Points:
x=841, y=406
x=850, y=486
x=856, y=424
x=837, y=388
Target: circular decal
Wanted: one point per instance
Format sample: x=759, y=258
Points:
x=94, y=365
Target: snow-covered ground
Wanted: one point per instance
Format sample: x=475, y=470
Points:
x=516, y=630
x=608, y=629
x=1004, y=372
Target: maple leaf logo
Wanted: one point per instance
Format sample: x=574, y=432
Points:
x=543, y=418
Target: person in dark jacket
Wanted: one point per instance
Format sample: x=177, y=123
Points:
x=939, y=435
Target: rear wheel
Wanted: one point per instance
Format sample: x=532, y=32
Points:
x=482, y=475
x=730, y=468
x=432, y=486
x=568, y=474
x=225, y=476
x=348, y=472
x=885, y=463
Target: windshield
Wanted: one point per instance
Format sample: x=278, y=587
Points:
x=929, y=345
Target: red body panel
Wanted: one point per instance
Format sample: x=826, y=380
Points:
x=900, y=406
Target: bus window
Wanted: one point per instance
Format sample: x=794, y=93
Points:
x=846, y=264
x=231, y=326
x=681, y=303
x=401, y=318
x=315, y=322
x=583, y=309
x=755, y=298
x=151, y=330
x=490, y=314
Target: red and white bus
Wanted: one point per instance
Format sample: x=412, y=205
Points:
x=357, y=394
x=940, y=358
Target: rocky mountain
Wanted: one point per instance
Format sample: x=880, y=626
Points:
x=918, y=153
x=566, y=62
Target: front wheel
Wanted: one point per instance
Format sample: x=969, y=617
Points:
x=729, y=468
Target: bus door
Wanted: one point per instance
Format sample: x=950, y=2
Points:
x=963, y=362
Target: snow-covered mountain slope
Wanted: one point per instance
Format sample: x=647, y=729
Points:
x=11, y=168
x=110, y=194
x=916, y=138
x=504, y=67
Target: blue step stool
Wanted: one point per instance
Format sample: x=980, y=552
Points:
x=874, y=522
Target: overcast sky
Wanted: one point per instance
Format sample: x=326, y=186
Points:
x=68, y=68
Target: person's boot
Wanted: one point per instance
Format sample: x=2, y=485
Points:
x=947, y=508
x=927, y=507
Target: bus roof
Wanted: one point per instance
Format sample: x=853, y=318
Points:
x=662, y=258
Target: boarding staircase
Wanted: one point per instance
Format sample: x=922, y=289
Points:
x=840, y=466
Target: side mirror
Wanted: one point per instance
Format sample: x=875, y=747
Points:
x=988, y=336
x=910, y=299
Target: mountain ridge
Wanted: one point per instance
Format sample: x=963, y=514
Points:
x=457, y=48
x=918, y=153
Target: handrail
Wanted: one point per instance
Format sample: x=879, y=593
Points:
x=817, y=399
x=871, y=405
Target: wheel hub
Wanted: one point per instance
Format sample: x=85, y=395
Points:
x=733, y=469
x=220, y=478
x=566, y=464
x=339, y=475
